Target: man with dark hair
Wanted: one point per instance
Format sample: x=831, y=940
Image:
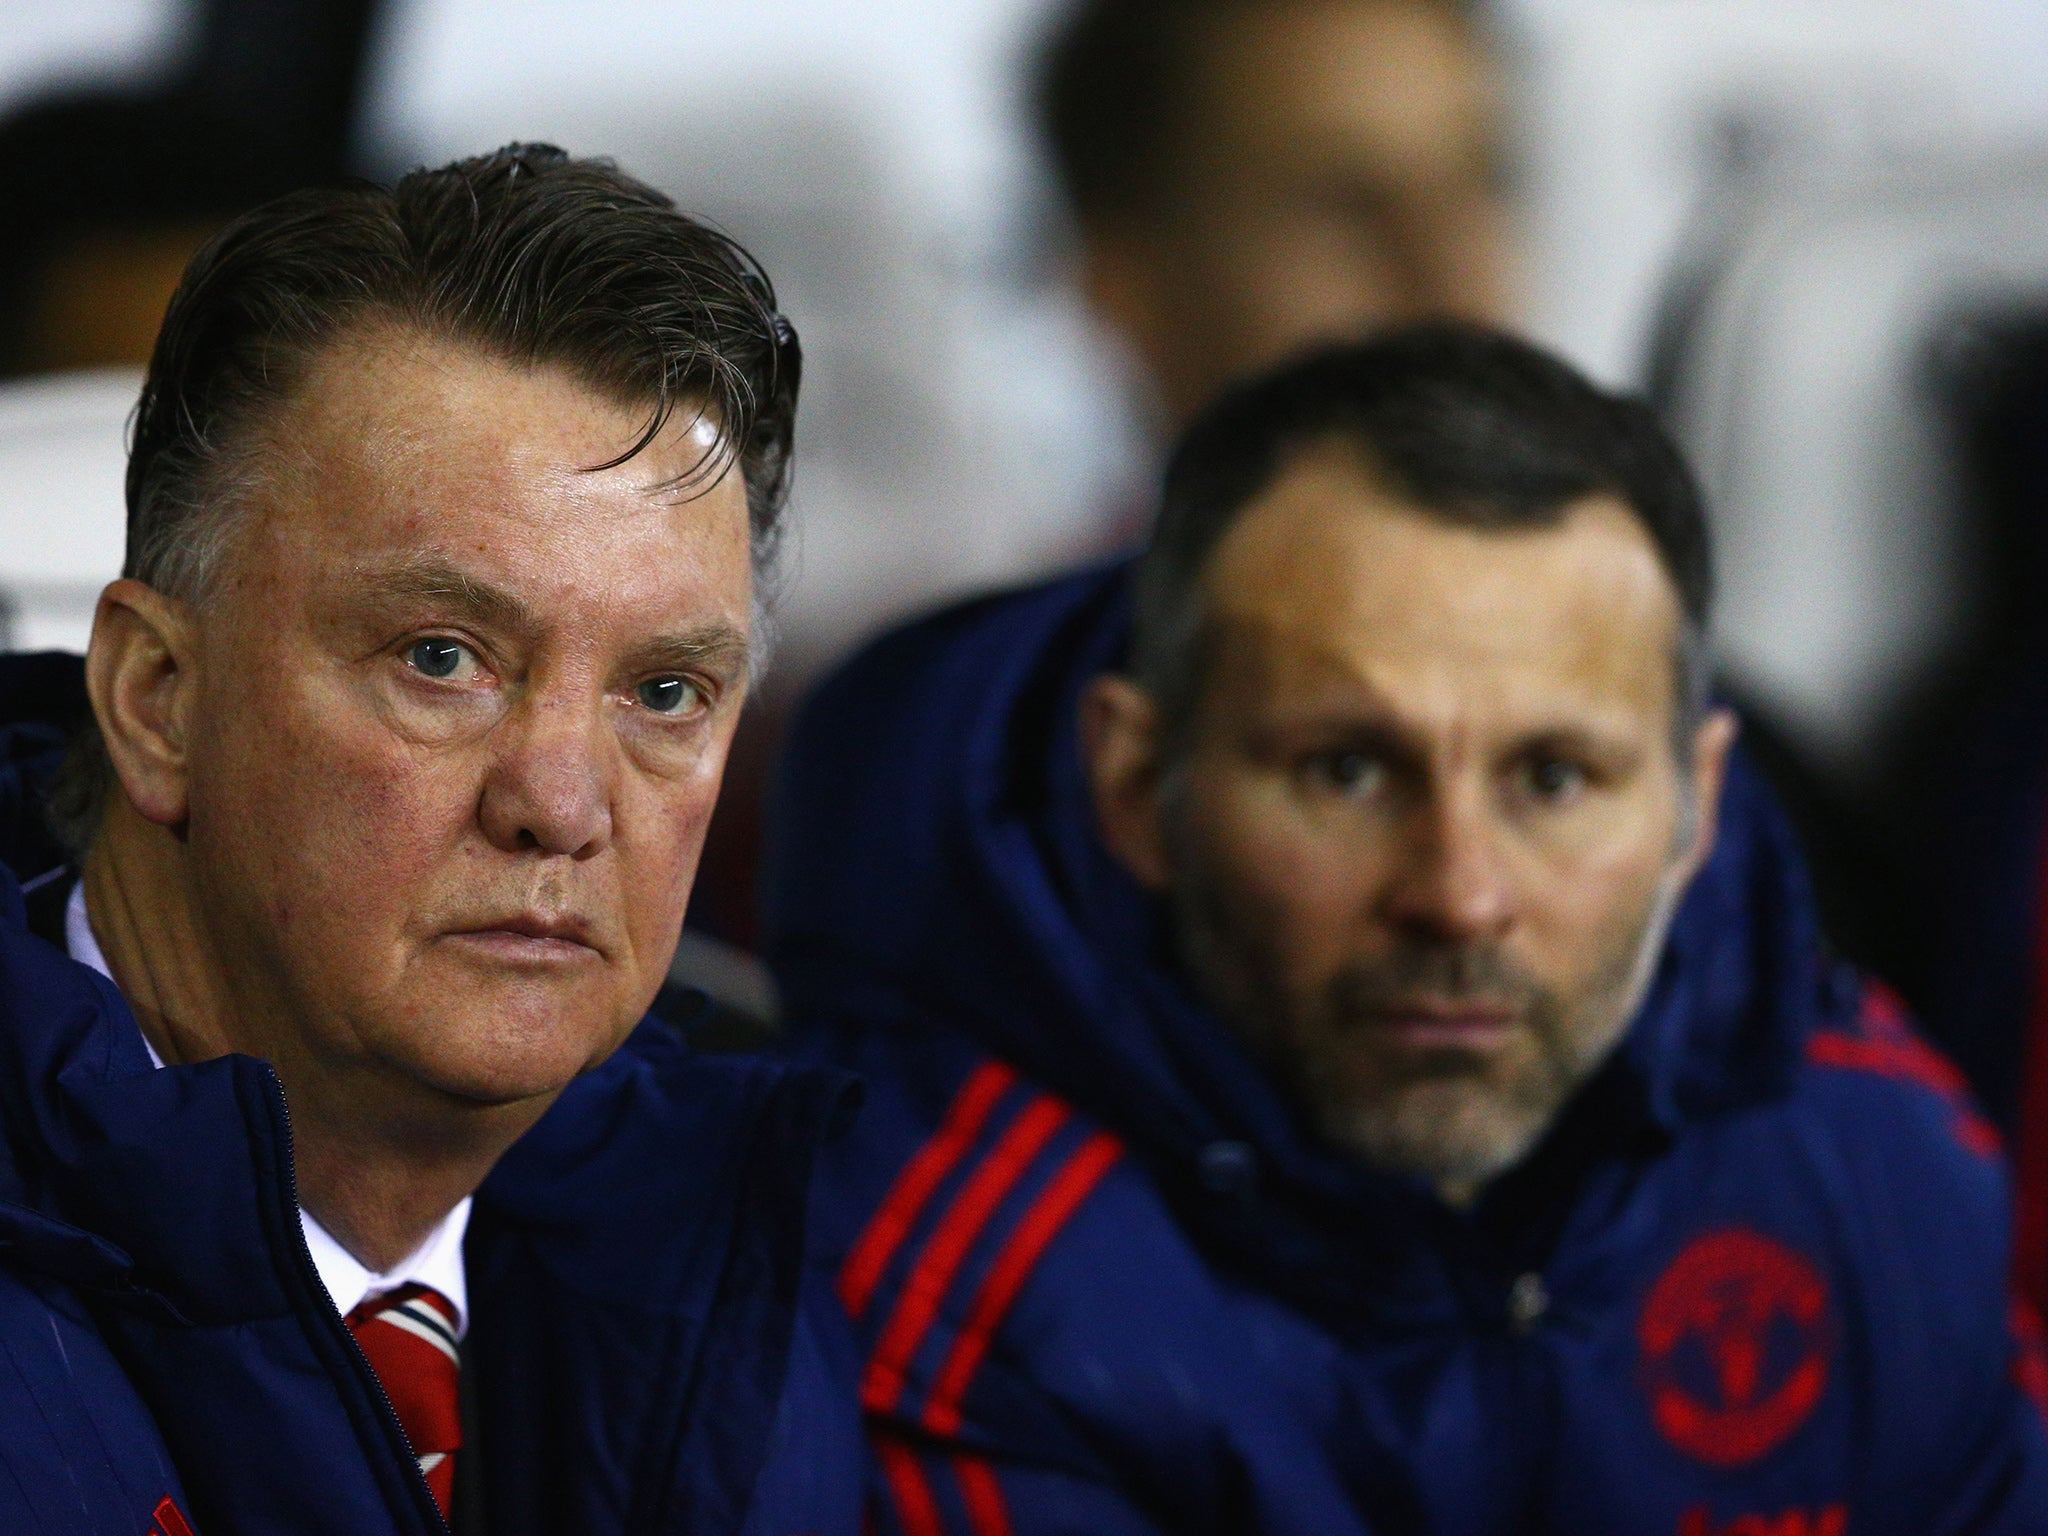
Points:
x=1348, y=1045
x=1251, y=176
x=449, y=508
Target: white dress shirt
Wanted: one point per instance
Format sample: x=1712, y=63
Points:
x=436, y=1262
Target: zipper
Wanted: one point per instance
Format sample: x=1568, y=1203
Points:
x=309, y=1272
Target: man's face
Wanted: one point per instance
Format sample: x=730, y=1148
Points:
x=461, y=711
x=1339, y=173
x=1431, y=817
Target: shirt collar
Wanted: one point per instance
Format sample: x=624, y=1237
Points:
x=437, y=1262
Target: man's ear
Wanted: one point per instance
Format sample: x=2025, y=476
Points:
x=1120, y=742
x=139, y=671
x=1713, y=739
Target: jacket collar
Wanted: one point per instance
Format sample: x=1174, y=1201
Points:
x=635, y=1262
x=165, y=1199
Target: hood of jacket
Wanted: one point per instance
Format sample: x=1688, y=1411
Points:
x=935, y=863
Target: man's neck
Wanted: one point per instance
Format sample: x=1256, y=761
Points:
x=380, y=1159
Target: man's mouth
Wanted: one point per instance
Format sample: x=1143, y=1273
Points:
x=1424, y=1026
x=530, y=938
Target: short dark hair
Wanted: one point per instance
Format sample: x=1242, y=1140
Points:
x=1469, y=425
x=1115, y=94
x=527, y=254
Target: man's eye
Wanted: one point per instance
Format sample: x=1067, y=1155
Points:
x=1350, y=773
x=436, y=657
x=1553, y=779
x=669, y=695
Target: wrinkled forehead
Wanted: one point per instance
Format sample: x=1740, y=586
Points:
x=1329, y=580
x=400, y=446
x=386, y=400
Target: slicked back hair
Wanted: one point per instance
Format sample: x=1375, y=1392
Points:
x=527, y=254
x=1461, y=422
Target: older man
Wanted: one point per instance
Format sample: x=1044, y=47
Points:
x=1349, y=1052
x=340, y=1191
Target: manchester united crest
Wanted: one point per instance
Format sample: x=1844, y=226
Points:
x=1736, y=1337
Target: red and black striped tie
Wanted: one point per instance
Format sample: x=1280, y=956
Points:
x=408, y=1336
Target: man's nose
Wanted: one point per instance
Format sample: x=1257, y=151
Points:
x=550, y=787
x=1453, y=884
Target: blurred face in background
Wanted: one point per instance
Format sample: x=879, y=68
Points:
x=1430, y=818
x=1337, y=170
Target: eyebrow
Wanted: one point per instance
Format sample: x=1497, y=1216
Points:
x=716, y=645
x=435, y=578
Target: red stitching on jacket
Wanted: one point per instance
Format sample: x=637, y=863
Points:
x=169, y=1519
x=947, y=1248
x=983, y=1496
x=893, y=1219
x=1076, y=1178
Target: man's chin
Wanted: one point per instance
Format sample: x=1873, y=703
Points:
x=487, y=1088
x=504, y=1057
x=1448, y=1129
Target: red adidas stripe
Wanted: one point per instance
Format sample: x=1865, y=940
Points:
x=1913, y=1061
x=1048, y=1214
x=1021, y=1142
x=909, y=1489
x=884, y=1234
x=1883, y=1012
x=983, y=1496
x=1906, y=1058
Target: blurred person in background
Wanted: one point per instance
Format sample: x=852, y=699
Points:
x=1244, y=177
x=1350, y=1048
x=110, y=191
x=1250, y=176
x=346, y=1187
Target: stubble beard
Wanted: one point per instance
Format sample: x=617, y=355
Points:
x=1453, y=1117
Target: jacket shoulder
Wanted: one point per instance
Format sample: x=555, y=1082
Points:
x=1890, y=1140
x=1871, y=1076
x=1917, y=1199
x=881, y=746
x=1014, y=1276
x=80, y=1452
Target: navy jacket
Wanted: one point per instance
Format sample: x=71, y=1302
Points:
x=1751, y=1284
x=652, y=1346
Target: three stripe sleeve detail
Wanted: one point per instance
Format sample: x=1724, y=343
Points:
x=985, y=1168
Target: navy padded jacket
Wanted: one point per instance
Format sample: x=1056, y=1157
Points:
x=1753, y=1283
x=653, y=1346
